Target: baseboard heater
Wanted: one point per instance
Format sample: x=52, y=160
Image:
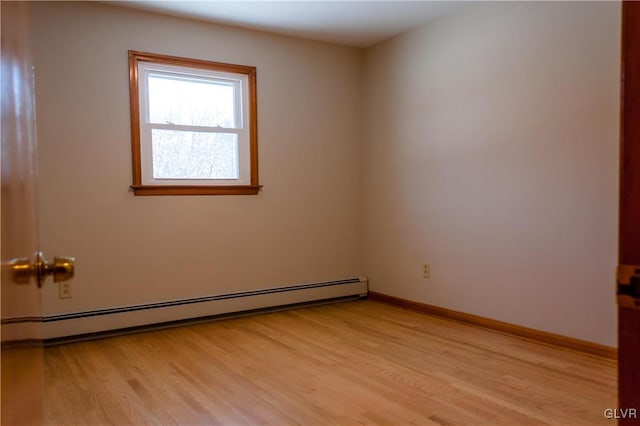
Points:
x=133, y=316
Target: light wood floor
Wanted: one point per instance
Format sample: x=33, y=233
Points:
x=350, y=363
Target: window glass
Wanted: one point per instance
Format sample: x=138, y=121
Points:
x=191, y=102
x=194, y=155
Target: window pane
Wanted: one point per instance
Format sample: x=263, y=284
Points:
x=191, y=101
x=194, y=155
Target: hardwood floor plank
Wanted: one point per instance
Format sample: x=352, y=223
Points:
x=351, y=363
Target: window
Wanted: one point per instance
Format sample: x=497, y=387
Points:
x=193, y=126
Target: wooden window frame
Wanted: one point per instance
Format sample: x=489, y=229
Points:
x=138, y=187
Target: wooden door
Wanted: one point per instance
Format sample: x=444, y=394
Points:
x=629, y=252
x=22, y=361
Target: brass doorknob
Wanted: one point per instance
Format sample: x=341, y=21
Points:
x=22, y=269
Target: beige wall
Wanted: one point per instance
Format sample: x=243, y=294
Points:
x=492, y=153
x=304, y=227
x=489, y=146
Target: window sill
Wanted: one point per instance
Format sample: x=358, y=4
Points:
x=195, y=190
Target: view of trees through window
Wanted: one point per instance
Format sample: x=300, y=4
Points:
x=195, y=124
x=194, y=155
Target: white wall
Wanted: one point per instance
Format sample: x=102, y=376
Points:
x=491, y=151
x=304, y=227
x=489, y=148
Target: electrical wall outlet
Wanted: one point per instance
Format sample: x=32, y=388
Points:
x=64, y=290
x=426, y=270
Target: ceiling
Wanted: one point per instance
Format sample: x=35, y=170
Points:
x=358, y=23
